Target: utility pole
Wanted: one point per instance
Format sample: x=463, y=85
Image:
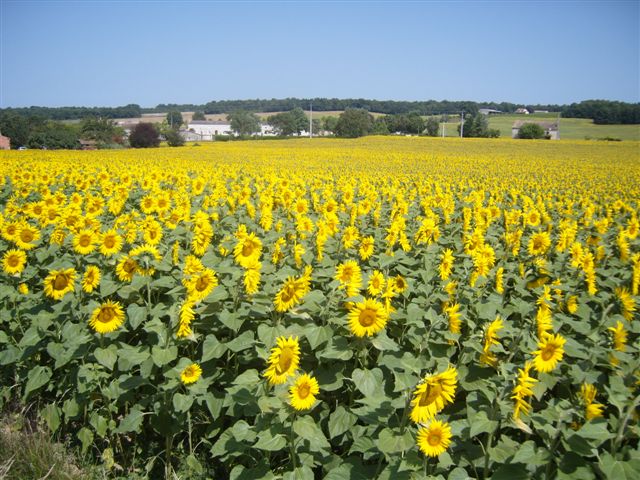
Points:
x=444, y=126
x=310, y=119
x=461, y=123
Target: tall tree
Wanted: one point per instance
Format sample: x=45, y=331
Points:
x=243, y=122
x=174, y=119
x=354, y=122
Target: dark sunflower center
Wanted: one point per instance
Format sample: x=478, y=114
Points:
x=285, y=360
x=367, y=317
x=13, y=261
x=304, y=390
x=106, y=314
x=430, y=394
x=434, y=439
x=26, y=236
x=61, y=281
x=287, y=293
x=129, y=266
x=85, y=241
x=202, y=284
x=109, y=242
x=247, y=250
x=547, y=352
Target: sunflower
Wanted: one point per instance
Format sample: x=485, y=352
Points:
x=500, y=280
x=550, y=352
x=367, y=318
x=59, y=282
x=302, y=393
x=400, y=284
x=126, y=268
x=572, y=304
x=366, y=247
x=191, y=374
x=283, y=361
x=588, y=394
x=627, y=303
x=252, y=278
x=247, y=250
x=201, y=284
x=91, y=279
x=435, y=438
x=25, y=235
x=446, y=264
x=454, y=315
x=108, y=317
x=522, y=391
x=350, y=277
x=110, y=243
x=187, y=314
x=376, y=283
x=539, y=243
x=145, y=256
x=23, y=289
x=14, y=261
x=432, y=394
x=84, y=242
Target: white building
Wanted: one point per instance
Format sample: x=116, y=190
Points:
x=207, y=130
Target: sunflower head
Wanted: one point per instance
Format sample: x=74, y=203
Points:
x=107, y=318
x=435, y=438
x=367, y=318
x=14, y=261
x=431, y=396
x=59, y=282
x=283, y=361
x=550, y=352
x=191, y=374
x=303, y=392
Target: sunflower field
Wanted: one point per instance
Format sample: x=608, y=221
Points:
x=375, y=308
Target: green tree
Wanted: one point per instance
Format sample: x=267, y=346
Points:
x=198, y=115
x=144, y=135
x=329, y=123
x=531, y=131
x=54, y=136
x=432, y=126
x=478, y=126
x=380, y=127
x=289, y=123
x=102, y=130
x=173, y=138
x=174, y=119
x=16, y=127
x=353, y=123
x=243, y=122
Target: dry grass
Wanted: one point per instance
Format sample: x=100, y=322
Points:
x=27, y=452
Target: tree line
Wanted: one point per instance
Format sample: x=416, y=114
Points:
x=601, y=111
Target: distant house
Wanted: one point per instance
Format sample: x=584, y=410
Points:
x=208, y=129
x=488, y=111
x=522, y=111
x=5, y=142
x=190, y=136
x=551, y=129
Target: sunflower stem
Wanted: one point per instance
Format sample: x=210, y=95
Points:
x=623, y=424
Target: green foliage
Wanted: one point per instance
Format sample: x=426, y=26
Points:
x=144, y=135
x=531, y=131
x=411, y=123
x=174, y=139
x=329, y=123
x=354, y=122
x=174, y=119
x=53, y=136
x=432, y=127
x=604, y=111
x=478, y=126
x=244, y=122
x=289, y=123
x=198, y=115
x=101, y=130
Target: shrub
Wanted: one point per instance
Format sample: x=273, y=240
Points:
x=144, y=135
x=174, y=139
x=531, y=131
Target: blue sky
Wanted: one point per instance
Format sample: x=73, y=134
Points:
x=108, y=53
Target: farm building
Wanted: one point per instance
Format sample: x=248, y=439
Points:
x=5, y=142
x=488, y=111
x=208, y=129
x=522, y=111
x=551, y=129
